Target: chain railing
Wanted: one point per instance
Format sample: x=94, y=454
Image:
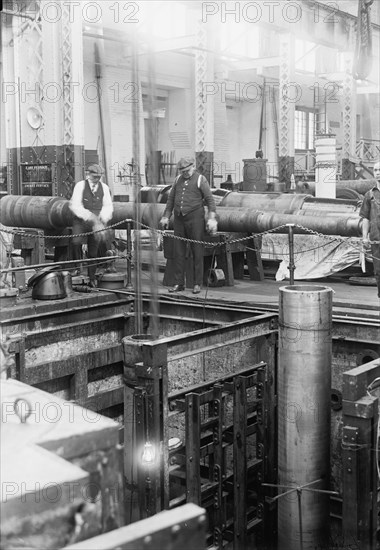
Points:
x=355, y=242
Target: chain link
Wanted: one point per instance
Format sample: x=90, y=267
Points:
x=353, y=240
x=164, y=233
x=25, y=234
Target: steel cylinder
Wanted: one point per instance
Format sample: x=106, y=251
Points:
x=154, y=193
x=360, y=186
x=54, y=213
x=285, y=203
x=280, y=202
x=304, y=387
x=247, y=220
x=329, y=207
x=36, y=212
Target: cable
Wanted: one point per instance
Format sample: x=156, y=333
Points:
x=207, y=285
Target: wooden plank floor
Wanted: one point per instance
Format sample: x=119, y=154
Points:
x=348, y=299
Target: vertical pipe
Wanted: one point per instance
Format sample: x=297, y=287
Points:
x=304, y=385
x=98, y=76
x=291, y=266
x=136, y=185
x=129, y=256
x=19, y=149
x=154, y=176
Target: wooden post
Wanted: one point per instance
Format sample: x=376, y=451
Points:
x=240, y=462
x=193, y=434
x=32, y=247
x=225, y=261
x=262, y=447
x=217, y=470
x=360, y=423
x=146, y=414
x=270, y=441
x=254, y=261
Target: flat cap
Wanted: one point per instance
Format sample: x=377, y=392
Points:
x=185, y=162
x=95, y=169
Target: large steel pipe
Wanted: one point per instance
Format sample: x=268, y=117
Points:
x=304, y=386
x=48, y=213
x=288, y=203
x=280, y=202
x=247, y=221
x=359, y=186
x=37, y=212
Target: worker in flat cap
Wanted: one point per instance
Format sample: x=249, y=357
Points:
x=92, y=207
x=187, y=198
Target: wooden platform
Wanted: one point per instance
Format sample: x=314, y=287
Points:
x=350, y=300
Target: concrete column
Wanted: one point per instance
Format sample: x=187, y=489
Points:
x=325, y=167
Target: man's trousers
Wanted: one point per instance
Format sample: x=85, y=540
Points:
x=97, y=244
x=190, y=226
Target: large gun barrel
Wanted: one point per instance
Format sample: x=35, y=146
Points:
x=346, y=188
x=254, y=217
x=289, y=203
x=36, y=212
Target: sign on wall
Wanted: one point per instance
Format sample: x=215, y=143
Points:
x=37, y=179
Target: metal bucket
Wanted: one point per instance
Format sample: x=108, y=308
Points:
x=47, y=286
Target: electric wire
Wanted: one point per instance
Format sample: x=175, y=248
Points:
x=205, y=297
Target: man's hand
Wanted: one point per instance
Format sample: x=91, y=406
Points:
x=366, y=243
x=212, y=226
x=164, y=222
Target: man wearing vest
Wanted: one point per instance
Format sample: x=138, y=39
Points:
x=370, y=212
x=92, y=207
x=187, y=197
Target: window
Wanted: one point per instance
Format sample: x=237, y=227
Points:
x=304, y=129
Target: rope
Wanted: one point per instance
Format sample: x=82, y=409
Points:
x=299, y=489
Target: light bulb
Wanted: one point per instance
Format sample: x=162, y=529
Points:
x=148, y=454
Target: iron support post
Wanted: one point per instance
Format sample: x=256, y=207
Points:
x=129, y=256
x=291, y=265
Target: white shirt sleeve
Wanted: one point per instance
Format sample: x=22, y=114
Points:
x=107, y=209
x=76, y=203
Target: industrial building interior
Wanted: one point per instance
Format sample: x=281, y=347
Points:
x=238, y=414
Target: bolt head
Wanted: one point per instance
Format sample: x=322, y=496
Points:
x=175, y=529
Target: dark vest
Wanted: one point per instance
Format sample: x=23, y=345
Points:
x=188, y=196
x=92, y=202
